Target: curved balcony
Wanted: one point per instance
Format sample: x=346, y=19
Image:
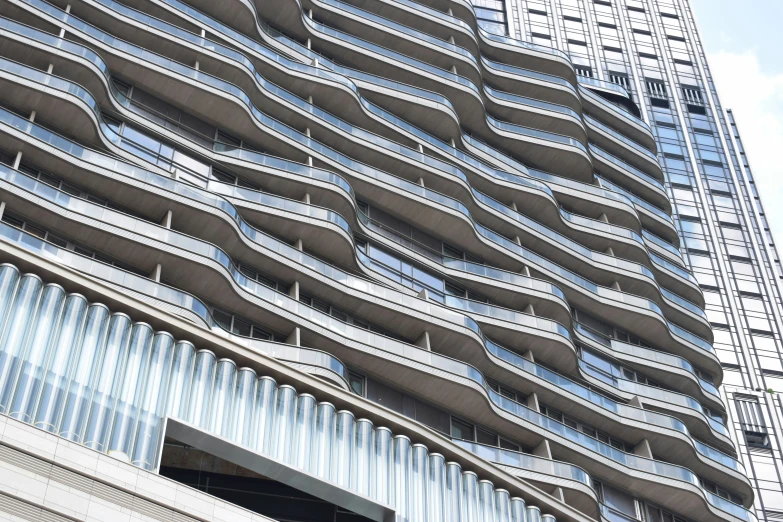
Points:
x=461, y=371
x=216, y=397
x=441, y=146
x=458, y=174
x=471, y=119
x=184, y=304
x=277, y=36
x=673, y=303
x=166, y=246
x=546, y=116
x=613, y=93
x=545, y=473
x=509, y=317
x=624, y=148
x=624, y=121
x=662, y=366
x=417, y=189
x=610, y=291
x=651, y=217
x=688, y=336
x=625, y=174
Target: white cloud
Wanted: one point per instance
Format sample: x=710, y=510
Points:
x=756, y=99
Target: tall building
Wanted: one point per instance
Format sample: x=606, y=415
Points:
x=390, y=260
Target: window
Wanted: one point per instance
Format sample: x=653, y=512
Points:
x=692, y=95
x=241, y=327
x=751, y=419
x=583, y=70
x=656, y=89
x=580, y=426
x=461, y=430
x=722, y=493
x=620, y=79
x=491, y=15
x=356, y=382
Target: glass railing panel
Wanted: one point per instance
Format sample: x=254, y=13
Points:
x=444, y=44
x=603, y=226
x=611, y=158
x=531, y=102
x=535, y=133
x=527, y=73
x=505, y=314
x=661, y=243
x=617, y=109
x=636, y=199
x=376, y=50
x=526, y=462
x=601, y=84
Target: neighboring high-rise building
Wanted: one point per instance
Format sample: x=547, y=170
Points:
x=651, y=48
x=391, y=260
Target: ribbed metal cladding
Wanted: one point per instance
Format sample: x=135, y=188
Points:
x=116, y=381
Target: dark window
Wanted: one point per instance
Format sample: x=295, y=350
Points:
x=461, y=430
x=357, y=383
x=751, y=419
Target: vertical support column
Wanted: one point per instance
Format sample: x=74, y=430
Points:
x=2, y=208
x=299, y=245
x=309, y=158
x=643, y=449
x=166, y=221
x=155, y=274
x=543, y=450
x=306, y=198
x=62, y=31
x=532, y=403
x=424, y=341
x=293, y=292
x=295, y=337
x=17, y=160
x=636, y=401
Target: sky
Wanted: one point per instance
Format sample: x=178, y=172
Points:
x=742, y=40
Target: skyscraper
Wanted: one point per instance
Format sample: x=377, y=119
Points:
x=378, y=260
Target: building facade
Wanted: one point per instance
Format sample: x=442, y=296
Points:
x=652, y=49
x=343, y=260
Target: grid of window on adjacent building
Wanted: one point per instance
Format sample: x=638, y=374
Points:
x=491, y=15
x=651, y=48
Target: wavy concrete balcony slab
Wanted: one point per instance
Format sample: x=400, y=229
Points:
x=505, y=405
x=211, y=286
